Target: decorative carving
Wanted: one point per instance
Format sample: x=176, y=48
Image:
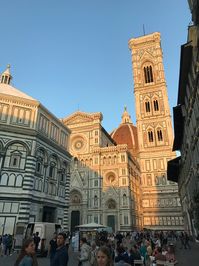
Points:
x=111, y=204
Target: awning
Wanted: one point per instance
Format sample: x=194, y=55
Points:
x=173, y=169
x=91, y=226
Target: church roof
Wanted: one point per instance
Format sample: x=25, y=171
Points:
x=126, y=133
x=10, y=90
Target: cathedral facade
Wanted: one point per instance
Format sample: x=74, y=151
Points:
x=105, y=183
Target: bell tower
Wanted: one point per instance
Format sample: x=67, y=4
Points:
x=161, y=205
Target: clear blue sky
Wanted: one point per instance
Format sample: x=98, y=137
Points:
x=73, y=54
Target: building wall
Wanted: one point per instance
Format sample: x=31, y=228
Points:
x=188, y=101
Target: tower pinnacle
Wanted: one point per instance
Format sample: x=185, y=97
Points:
x=6, y=76
x=126, y=118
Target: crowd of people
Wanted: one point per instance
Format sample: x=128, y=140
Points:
x=127, y=249
x=103, y=250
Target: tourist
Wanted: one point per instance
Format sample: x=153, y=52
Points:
x=134, y=255
x=52, y=247
x=104, y=257
x=170, y=256
x=159, y=256
x=122, y=257
x=94, y=249
x=36, y=239
x=27, y=255
x=85, y=253
x=61, y=255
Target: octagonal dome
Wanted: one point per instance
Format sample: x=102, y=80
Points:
x=126, y=133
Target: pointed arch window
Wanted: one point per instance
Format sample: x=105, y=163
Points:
x=150, y=136
x=148, y=74
x=124, y=200
x=156, y=105
x=147, y=107
x=52, y=170
x=40, y=161
x=15, y=159
x=95, y=201
x=159, y=134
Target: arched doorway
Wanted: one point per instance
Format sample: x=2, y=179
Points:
x=75, y=220
x=111, y=220
x=75, y=208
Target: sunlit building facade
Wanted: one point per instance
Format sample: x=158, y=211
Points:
x=105, y=178
x=34, y=161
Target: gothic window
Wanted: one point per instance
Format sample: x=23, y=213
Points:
x=122, y=158
x=96, y=219
x=53, y=167
x=52, y=170
x=11, y=180
x=124, y=199
x=19, y=180
x=148, y=74
x=156, y=105
x=95, y=201
x=150, y=136
x=149, y=182
x=15, y=160
x=40, y=161
x=124, y=181
x=164, y=182
x=4, y=180
x=157, y=180
x=38, y=167
x=126, y=219
x=159, y=134
x=147, y=107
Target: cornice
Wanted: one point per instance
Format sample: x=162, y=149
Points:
x=146, y=39
x=84, y=115
x=35, y=134
x=118, y=148
x=18, y=100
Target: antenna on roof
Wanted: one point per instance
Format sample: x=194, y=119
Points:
x=143, y=29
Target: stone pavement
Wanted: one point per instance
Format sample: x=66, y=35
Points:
x=188, y=257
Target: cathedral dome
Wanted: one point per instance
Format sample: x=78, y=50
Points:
x=6, y=88
x=126, y=133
